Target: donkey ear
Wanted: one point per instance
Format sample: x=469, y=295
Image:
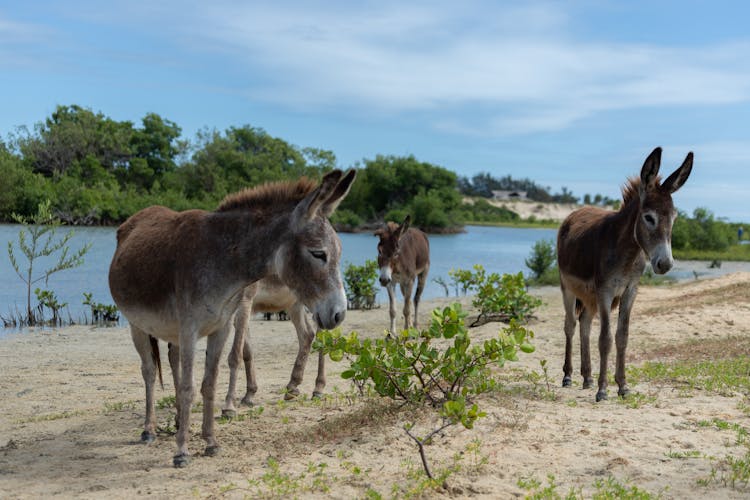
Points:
x=339, y=193
x=405, y=225
x=309, y=206
x=651, y=168
x=679, y=176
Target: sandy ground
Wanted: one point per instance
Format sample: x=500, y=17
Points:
x=72, y=412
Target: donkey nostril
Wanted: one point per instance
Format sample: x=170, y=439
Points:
x=339, y=317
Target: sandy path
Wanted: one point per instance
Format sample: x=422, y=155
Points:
x=72, y=410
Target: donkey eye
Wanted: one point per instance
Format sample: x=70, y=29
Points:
x=650, y=219
x=319, y=254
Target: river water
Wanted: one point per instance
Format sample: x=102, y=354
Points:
x=498, y=249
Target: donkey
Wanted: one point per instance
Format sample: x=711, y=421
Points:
x=271, y=296
x=403, y=256
x=179, y=276
x=601, y=255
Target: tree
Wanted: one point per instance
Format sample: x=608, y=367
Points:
x=41, y=228
x=542, y=257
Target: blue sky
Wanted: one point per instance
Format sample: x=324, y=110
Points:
x=572, y=94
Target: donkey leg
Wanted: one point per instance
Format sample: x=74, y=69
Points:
x=605, y=345
x=320, y=380
x=587, y=316
x=185, y=393
x=392, y=305
x=252, y=385
x=142, y=342
x=621, y=339
x=174, y=365
x=406, y=287
x=233, y=360
x=304, y=339
x=214, y=346
x=569, y=303
x=421, y=280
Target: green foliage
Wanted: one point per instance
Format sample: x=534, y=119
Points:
x=40, y=242
x=359, y=282
x=101, y=313
x=498, y=298
x=48, y=299
x=702, y=232
x=388, y=187
x=438, y=366
x=543, y=256
x=462, y=279
x=482, y=211
x=413, y=366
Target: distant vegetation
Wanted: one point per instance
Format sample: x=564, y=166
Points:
x=98, y=171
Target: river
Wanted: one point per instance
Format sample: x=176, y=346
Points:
x=498, y=249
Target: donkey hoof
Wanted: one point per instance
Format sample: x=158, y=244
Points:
x=317, y=395
x=228, y=413
x=567, y=381
x=181, y=460
x=291, y=394
x=148, y=437
x=247, y=402
x=212, y=451
x=587, y=383
x=623, y=392
x=600, y=395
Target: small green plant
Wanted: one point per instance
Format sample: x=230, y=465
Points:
x=438, y=366
x=48, y=299
x=502, y=298
x=41, y=228
x=463, y=280
x=359, y=282
x=101, y=313
x=542, y=258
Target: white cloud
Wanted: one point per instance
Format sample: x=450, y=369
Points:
x=520, y=64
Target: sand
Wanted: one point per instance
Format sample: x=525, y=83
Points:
x=72, y=413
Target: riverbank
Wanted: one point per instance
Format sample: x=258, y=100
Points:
x=73, y=412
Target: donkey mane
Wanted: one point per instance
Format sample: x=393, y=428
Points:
x=268, y=196
x=631, y=189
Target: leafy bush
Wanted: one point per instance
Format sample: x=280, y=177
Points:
x=101, y=313
x=498, y=298
x=462, y=279
x=542, y=257
x=410, y=367
x=359, y=282
x=702, y=232
x=48, y=299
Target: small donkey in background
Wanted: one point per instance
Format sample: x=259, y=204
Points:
x=403, y=256
x=601, y=256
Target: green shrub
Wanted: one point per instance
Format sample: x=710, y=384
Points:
x=359, y=282
x=542, y=257
x=438, y=366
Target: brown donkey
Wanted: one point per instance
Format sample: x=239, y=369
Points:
x=403, y=256
x=271, y=296
x=179, y=276
x=601, y=255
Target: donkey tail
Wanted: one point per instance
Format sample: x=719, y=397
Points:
x=155, y=356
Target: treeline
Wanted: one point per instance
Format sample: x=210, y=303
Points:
x=483, y=184
x=96, y=170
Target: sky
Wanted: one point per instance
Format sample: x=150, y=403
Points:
x=568, y=94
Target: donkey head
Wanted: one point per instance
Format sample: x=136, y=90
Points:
x=308, y=262
x=389, y=247
x=653, y=229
